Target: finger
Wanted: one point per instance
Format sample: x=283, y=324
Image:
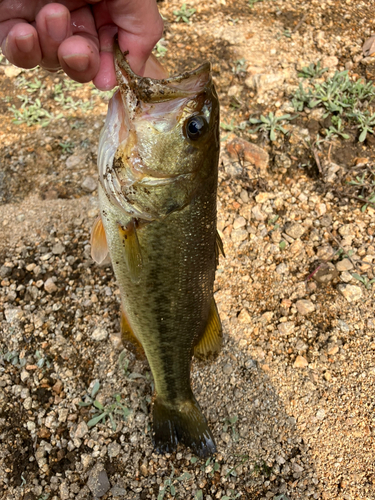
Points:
x=79, y=58
x=139, y=27
x=53, y=26
x=106, y=77
x=21, y=45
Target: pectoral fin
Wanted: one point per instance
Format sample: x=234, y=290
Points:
x=99, y=247
x=210, y=342
x=219, y=247
x=129, y=339
x=133, y=255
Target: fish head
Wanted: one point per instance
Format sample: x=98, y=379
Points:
x=164, y=137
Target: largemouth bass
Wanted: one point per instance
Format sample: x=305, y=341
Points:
x=158, y=167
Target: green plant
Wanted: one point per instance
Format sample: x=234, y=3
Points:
x=366, y=184
x=104, y=95
x=262, y=468
x=364, y=280
x=160, y=48
x=41, y=360
x=36, y=86
x=101, y=412
x=230, y=423
x=240, y=67
x=168, y=484
x=270, y=123
x=67, y=146
x=366, y=123
x=184, y=14
x=312, y=71
x=32, y=113
x=337, y=128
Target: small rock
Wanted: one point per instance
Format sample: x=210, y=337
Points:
x=58, y=249
x=244, y=316
x=262, y=82
x=321, y=209
x=13, y=314
x=73, y=161
x=239, y=222
x=99, y=334
x=227, y=369
x=98, y=481
x=240, y=149
x=49, y=286
x=305, y=306
x=262, y=198
x=347, y=230
x=294, y=230
x=325, y=252
x=286, y=328
x=329, y=62
x=258, y=214
x=267, y=316
x=326, y=273
x=12, y=71
x=281, y=268
x=239, y=235
x=5, y=271
x=300, y=362
x=113, y=449
x=344, y=265
x=89, y=184
x=81, y=430
x=332, y=349
x=346, y=277
x=320, y=414
x=352, y=293
x=297, y=468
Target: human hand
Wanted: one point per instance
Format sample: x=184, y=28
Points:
x=78, y=37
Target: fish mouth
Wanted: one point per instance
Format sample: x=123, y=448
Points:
x=137, y=89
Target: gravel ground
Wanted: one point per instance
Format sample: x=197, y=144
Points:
x=290, y=398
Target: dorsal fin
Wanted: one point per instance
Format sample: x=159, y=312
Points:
x=210, y=342
x=133, y=255
x=99, y=246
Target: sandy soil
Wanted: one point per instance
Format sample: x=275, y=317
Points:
x=290, y=398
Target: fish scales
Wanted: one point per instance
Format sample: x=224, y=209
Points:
x=158, y=165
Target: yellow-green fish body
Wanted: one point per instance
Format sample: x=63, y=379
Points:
x=158, y=166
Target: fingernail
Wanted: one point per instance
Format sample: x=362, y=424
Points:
x=57, y=26
x=25, y=43
x=77, y=62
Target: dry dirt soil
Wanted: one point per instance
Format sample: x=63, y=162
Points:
x=291, y=398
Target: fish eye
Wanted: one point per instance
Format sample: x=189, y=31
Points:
x=195, y=127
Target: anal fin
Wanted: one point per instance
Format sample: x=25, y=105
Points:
x=210, y=342
x=129, y=339
x=133, y=255
x=99, y=246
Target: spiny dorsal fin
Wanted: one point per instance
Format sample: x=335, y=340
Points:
x=133, y=255
x=129, y=338
x=210, y=342
x=219, y=247
x=99, y=247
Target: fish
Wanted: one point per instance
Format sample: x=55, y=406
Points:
x=158, y=174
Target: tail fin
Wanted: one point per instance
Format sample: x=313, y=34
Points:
x=184, y=423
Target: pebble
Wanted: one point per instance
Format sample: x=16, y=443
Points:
x=73, y=161
x=5, y=271
x=98, y=481
x=294, y=230
x=344, y=265
x=305, y=306
x=58, y=249
x=286, y=328
x=99, y=334
x=227, y=369
x=262, y=198
x=113, y=449
x=325, y=252
x=239, y=148
x=81, y=430
x=13, y=314
x=352, y=293
x=239, y=235
x=244, y=316
x=258, y=214
x=49, y=286
x=326, y=273
x=300, y=362
x=12, y=71
x=282, y=268
x=346, y=277
x=239, y=222
x=89, y=184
